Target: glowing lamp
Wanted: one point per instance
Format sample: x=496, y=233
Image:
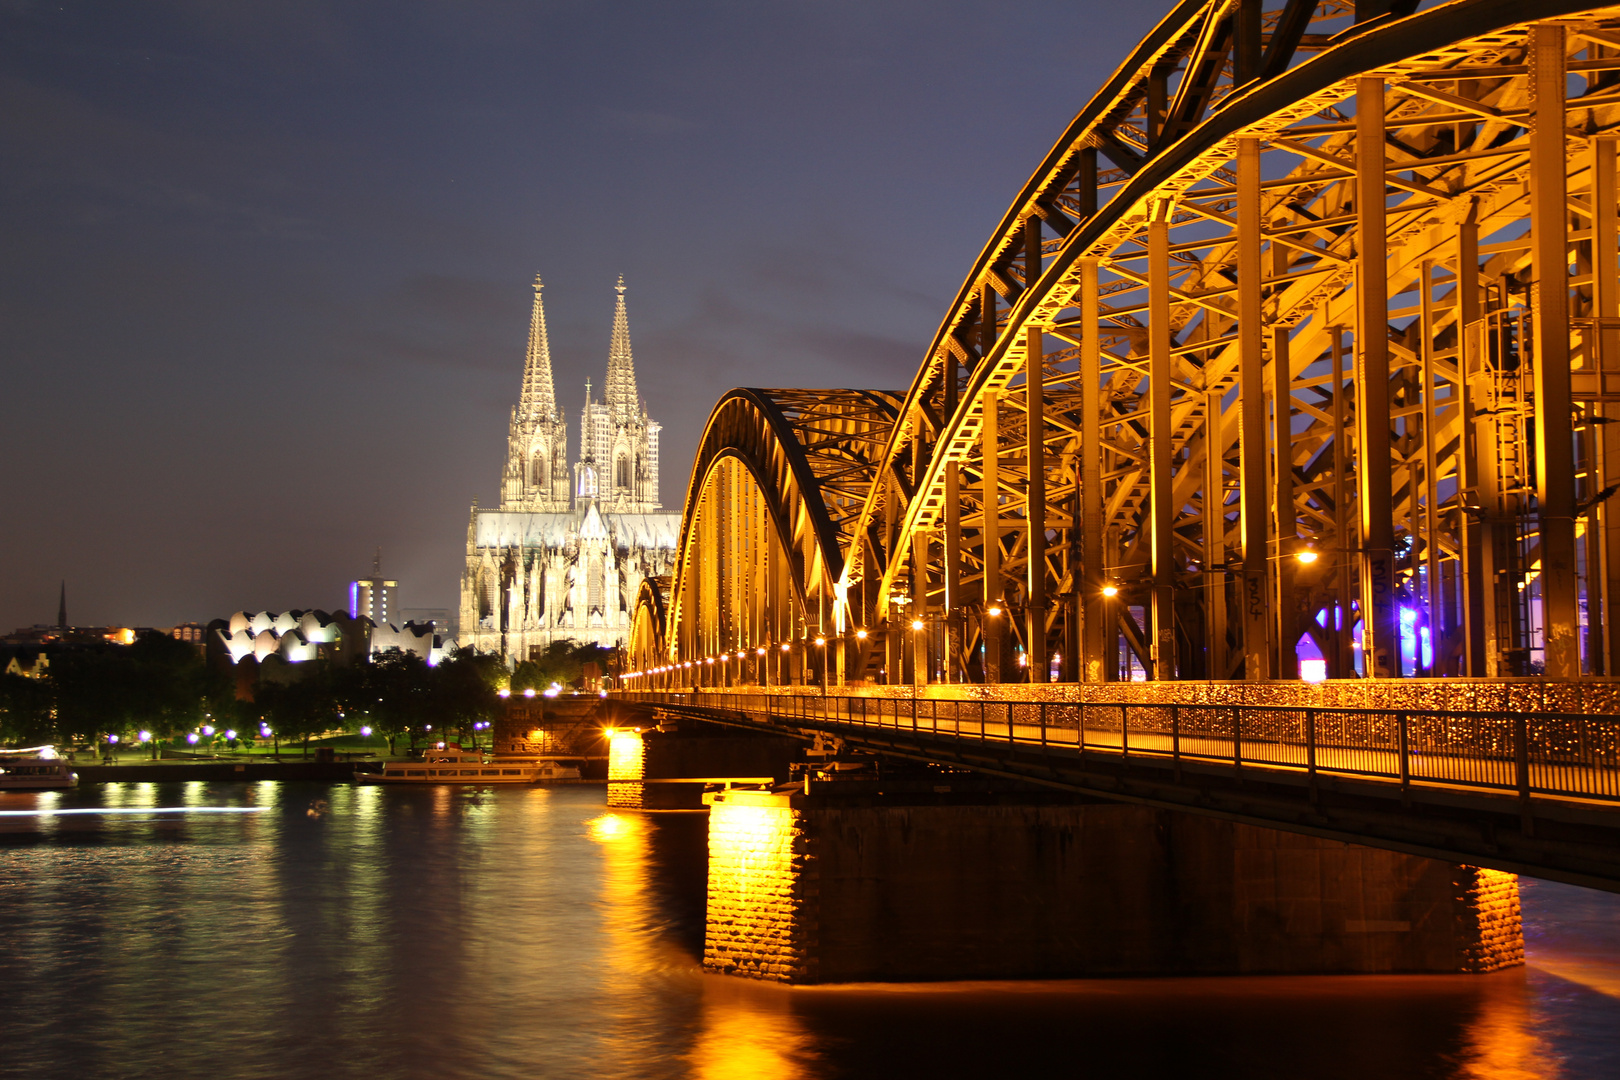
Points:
x=708, y=660
x=145, y=736
x=230, y=733
x=860, y=635
x=993, y=609
x=821, y=641
x=208, y=729
x=529, y=692
x=1110, y=590
x=503, y=692
x=786, y=647
x=365, y=732
x=762, y=648
x=1313, y=670
x=191, y=737
x=1307, y=557
x=916, y=624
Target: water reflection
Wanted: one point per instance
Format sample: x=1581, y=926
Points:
x=534, y=933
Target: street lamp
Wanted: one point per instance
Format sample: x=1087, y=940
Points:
x=1110, y=591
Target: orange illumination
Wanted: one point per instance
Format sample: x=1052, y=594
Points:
x=993, y=609
x=860, y=635
x=1307, y=557
x=821, y=641
x=916, y=624
x=1110, y=590
x=786, y=647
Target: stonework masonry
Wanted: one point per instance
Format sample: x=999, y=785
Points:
x=803, y=890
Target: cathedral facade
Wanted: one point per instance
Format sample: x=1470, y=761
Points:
x=565, y=553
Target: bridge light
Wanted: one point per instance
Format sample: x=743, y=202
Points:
x=860, y=635
x=1110, y=590
x=503, y=692
x=708, y=660
x=1307, y=556
x=529, y=692
x=916, y=624
x=821, y=641
x=993, y=609
x=762, y=650
x=786, y=647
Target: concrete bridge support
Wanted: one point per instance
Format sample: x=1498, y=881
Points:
x=824, y=888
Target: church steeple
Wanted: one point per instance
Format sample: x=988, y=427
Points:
x=536, y=474
x=620, y=392
x=539, y=400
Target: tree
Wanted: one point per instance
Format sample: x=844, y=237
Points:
x=397, y=690
x=562, y=663
x=26, y=713
x=464, y=690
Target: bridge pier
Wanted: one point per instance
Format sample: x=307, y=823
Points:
x=946, y=885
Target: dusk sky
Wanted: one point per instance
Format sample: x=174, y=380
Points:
x=264, y=280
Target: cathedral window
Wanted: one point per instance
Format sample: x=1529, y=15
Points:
x=594, y=583
x=587, y=481
x=623, y=469
x=540, y=472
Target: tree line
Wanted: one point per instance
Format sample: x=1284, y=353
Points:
x=163, y=686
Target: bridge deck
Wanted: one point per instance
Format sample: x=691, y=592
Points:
x=1528, y=792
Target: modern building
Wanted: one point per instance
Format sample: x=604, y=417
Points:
x=566, y=551
x=375, y=597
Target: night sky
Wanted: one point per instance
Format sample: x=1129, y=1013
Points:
x=264, y=275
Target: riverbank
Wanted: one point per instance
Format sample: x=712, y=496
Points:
x=165, y=772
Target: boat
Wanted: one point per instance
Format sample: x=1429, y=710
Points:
x=453, y=765
x=35, y=769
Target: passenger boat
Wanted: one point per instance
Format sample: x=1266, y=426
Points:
x=454, y=765
x=35, y=769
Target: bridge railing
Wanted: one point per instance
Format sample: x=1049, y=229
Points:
x=1576, y=756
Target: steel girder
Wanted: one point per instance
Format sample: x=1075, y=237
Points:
x=778, y=481
x=1307, y=321
x=1158, y=295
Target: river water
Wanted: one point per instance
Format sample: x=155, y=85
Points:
x=314, y=930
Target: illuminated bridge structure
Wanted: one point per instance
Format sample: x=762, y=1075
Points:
x=1297, y=358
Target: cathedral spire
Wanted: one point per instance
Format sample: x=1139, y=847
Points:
x=539, y=400
x=620, y=392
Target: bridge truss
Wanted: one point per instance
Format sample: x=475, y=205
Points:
x=1302, y=345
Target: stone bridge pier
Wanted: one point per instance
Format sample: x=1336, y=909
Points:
x=977, y=884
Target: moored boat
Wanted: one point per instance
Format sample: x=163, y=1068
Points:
x=454, y=765
x=35, y=769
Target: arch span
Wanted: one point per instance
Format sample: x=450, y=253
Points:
x=1301, y=346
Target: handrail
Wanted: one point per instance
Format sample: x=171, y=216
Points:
x=1525, y=754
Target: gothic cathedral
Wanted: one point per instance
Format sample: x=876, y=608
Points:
x=566, y=552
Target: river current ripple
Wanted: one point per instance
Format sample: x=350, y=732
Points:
x=335, y=931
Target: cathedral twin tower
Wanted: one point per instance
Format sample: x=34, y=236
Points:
x=618, y=461
x=565, y=554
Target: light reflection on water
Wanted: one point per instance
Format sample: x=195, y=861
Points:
x=530, y=932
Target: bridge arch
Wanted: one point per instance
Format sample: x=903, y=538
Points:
x=1300, y=344
x=778, y=476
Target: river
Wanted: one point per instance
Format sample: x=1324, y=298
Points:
x=325, y=930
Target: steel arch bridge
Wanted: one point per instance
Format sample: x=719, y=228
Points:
x=1301, y=345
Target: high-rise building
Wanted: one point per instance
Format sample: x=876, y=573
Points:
x=565, y=553
x=375, y=597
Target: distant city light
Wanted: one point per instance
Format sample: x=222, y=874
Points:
x=191, y=737
x=553, y=691
x=529, y=692
x=208, y=729
x=230, y=733
x=365, y=731
x=145, y=736
x=503, y=692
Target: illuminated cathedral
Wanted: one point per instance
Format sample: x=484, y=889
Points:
x=565, y=553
